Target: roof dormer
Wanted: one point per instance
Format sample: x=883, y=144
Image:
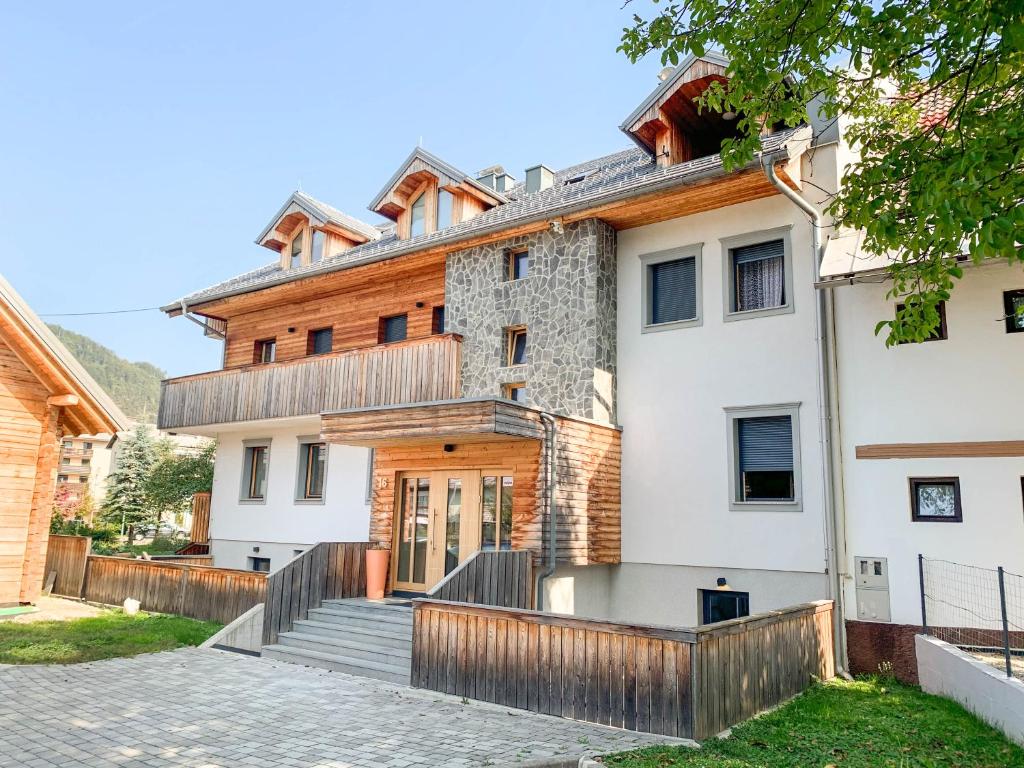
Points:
x=306, y=231
x=427, y=194
x=670, y=126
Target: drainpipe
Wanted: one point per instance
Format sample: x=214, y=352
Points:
x=550, y=481
x=823, y=320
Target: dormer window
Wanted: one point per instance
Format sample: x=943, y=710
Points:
x=418, y=216
x=445, y=208
x=295, y=250
x=316, y=251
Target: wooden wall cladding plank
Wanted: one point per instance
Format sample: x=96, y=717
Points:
x=351, y=302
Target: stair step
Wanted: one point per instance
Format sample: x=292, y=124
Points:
x=355, y=618
x=345, y=646
x=368, y=635
x=337, y=663
x=370, y=605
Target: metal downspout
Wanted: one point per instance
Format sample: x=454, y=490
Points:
x=550, y=479
x=822, y=321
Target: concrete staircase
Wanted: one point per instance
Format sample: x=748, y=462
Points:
x=371, y=638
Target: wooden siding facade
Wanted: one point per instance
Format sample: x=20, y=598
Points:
x=503, y=579
x=484, y=434
x=403, y=372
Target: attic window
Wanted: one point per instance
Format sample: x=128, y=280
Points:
x=296, y=250
x=576, y=179
x=317, y=249
x=418, y=216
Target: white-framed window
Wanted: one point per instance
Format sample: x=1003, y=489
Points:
x=670, y=285
x=764, y=458
x=311, y=476
x=255, y=471
x=757, y=277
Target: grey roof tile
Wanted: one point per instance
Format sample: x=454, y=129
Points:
x=622, y=174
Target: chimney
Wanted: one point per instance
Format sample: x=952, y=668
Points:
x=539, y=178
x=495, y=178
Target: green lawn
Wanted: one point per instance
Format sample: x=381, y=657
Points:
x=864, y=724
x=101, y=637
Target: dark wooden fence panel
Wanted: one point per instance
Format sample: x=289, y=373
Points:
x=328, y=571
x=627, y=676
x=691, y=683
x=67, y=556
x=503, y=578
x=747, y=665
x=200, y=592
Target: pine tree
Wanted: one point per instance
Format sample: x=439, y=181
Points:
x=127, y=503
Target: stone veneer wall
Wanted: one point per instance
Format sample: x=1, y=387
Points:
x=567, y=303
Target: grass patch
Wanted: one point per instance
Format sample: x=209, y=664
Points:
x=99, y=637
x=840, y=724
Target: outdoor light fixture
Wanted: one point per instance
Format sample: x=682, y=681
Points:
x=448, y=448
x=419, y=305
x=722, y=583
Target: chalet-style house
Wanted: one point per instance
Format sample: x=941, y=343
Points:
x=632, y=367
x=44, y=394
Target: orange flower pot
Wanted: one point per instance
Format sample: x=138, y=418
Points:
x=376, y=572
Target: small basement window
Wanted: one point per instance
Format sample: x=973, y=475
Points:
x=1013, y=310
x=935, y=500
x=266, y=351
x=320, y=341
x=259, y=564
x=723, y=605
x=392, y=329
x=516, y=345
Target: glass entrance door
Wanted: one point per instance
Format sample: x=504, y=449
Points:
x=412, y=533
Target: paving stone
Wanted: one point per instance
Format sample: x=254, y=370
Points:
x=211, y=709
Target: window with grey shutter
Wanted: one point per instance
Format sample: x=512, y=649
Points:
x=393, y=329
x=765, y=453
x=673, y=287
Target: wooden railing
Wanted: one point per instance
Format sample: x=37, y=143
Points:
x=417, y=370
x=328, y=571
x=691, y=683
x=201, y=592
x=66, y=556
x=503, y=578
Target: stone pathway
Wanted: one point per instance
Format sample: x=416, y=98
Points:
x=211, y=709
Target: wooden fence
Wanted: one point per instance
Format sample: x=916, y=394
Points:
x=503, y=578
x=201, y=592
x=67, y=556
x=689, y=683
x=330, y=570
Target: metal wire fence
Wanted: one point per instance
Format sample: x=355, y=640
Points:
x=980, y=610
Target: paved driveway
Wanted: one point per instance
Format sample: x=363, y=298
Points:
x=209, y=708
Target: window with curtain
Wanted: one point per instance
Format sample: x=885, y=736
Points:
x=673, y=291
x=759, y=280
x=765, y=455
x=445, y=208
x=418, y=216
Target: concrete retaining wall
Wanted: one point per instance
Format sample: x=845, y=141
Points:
x=981, y=688
x=243, y=634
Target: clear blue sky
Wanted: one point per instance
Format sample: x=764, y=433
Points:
x=144, y=145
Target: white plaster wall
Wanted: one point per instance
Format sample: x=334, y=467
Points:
x=281, y=524
x=947, y=671
x=966, y=388
x=672, y=391
x=670, y=594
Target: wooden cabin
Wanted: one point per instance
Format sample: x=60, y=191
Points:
x=44, y=395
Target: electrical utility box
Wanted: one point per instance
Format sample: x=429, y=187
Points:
x=872, y=575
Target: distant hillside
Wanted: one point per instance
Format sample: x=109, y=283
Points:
x=133, y=386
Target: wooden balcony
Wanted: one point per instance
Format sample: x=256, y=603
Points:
x=412, y=371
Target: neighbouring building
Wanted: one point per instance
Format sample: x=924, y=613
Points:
x=44, y=394
x=85, y=462
x=631, y=365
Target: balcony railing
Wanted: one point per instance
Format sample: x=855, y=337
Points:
x=412, y=371
x=84, y=453
x=75, y=469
